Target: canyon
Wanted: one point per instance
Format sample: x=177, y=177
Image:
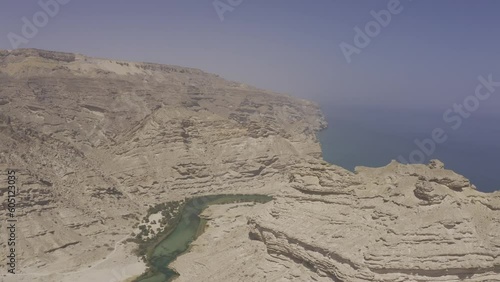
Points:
x=96, y=142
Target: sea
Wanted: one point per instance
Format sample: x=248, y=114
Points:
x=373, y=136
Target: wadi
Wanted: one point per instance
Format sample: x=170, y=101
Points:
x=97, y=144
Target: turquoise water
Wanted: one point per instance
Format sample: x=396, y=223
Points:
x=186, y=231
x=374, y=137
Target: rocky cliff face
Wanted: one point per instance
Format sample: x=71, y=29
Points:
x=96, y=141
x=396, y=223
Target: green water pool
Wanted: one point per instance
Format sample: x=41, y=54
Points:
x=187, y=229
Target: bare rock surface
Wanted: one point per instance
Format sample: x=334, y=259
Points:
x=95, y=142
x=395, y=223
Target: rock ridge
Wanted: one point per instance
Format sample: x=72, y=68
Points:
x=95, y=142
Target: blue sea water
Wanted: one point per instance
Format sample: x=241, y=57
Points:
x=373, y=137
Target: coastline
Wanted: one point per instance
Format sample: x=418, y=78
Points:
x=355, y=139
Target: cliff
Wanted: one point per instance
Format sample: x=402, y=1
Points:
x=95, y=142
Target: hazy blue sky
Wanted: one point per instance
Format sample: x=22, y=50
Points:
x=429, y=56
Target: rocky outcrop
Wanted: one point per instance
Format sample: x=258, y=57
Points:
x=95, y=142
x=396, y=223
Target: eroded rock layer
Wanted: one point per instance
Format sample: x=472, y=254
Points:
x=395, y=223
x=95, y=142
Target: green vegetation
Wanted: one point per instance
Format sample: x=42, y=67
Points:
x=181, y=225
x=171, y=214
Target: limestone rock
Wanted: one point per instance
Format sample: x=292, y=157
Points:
x=95, y=142
x=401, y=223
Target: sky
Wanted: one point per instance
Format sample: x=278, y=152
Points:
x=428, y=56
